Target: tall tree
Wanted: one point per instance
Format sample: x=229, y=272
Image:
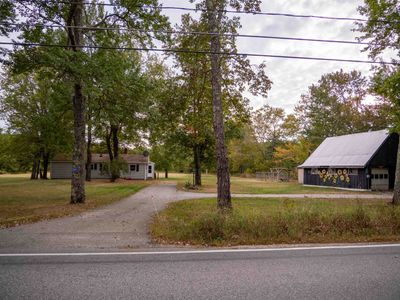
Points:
x=214, y=14
x=70, y=59
x=382, y=32
x=38, y=115
x=336, y=105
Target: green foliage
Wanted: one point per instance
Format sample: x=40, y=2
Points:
x=271, y=221
x=115, y=168
x=11, y=158
x=37, y=109
x=336, y=106
x=293, y=153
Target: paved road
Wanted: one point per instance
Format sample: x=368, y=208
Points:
x=122, y=225
x=358, y=273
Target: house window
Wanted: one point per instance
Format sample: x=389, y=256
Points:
x=137, y=168
x=101, y=167
x=150, y=169
x=93, y=166
x=132, y=167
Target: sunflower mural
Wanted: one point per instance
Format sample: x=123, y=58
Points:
x=334, y=177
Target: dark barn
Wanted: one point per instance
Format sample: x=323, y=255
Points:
x=357, y=161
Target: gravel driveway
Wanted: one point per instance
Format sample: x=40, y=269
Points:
x=119, y=226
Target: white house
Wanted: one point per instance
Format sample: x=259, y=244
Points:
x=139, y=167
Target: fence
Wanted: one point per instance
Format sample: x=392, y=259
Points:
x=275, y=174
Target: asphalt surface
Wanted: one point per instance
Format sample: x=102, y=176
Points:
x=120, y=226
x=339, y=273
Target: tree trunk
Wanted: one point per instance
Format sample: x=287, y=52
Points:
x=396, y=191
x=74, y=30
x=108, y=143
x=46, y=157
x=89, y=152
x=115, y=141
x=166, y=173
x=34, y=169
x=223, y=178
x=197, y=165
x=115, y=147
x=78, y=161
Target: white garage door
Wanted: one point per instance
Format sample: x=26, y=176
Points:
x=380, y=179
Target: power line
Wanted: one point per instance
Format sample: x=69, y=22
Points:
x=201, y=52
x=238, y=12
x=200, y=33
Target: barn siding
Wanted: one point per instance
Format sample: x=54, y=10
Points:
x=356, y=181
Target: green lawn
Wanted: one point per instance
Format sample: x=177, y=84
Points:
x=23, y=200
x=241, y=185
x=274, y=221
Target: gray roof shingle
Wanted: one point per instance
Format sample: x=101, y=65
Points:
x=352, y=150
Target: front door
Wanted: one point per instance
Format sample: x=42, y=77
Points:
x=380, y=179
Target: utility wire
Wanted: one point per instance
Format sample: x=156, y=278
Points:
x=237, y=12
x=200, y=33
x=201, y=52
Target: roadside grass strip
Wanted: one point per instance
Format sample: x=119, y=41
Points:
x=255, y=221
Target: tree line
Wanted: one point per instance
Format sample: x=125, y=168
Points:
x=187, y=109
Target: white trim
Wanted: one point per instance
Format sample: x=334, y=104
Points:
x=336, y=187
x=369, y=246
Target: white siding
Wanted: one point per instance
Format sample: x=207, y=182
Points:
x=97, y=174
x=140, y=174
x=300, y=175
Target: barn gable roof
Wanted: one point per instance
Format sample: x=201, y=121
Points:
x=352, y=150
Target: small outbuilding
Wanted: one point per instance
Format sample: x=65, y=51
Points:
x=357, y=161
x=139, y=167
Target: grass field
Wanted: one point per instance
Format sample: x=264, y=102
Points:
x=274, y=221
x=23, y=200
x=240, y=185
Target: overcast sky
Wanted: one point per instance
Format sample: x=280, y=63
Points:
x=292, y=77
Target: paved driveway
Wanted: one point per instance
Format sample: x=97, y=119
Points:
x=122, y=225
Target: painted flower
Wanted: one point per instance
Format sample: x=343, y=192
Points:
x=339, y=172
x=342, y=178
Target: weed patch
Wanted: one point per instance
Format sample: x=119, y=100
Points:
x=270, y=221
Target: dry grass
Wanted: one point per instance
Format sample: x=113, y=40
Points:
x=25, y=201
x=240, y=185
x=274, y=221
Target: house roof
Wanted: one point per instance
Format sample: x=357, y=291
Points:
x=352, y=150
x=97, y=158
